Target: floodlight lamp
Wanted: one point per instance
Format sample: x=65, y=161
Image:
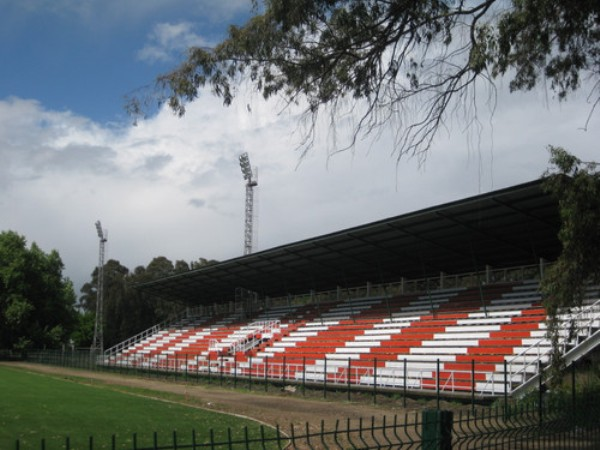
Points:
x=245, y=166
x=99, y=230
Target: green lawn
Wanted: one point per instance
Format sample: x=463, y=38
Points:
x=35, y=407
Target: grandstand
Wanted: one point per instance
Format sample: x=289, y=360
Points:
x=455, y=307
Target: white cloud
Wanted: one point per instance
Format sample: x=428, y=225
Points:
x=173, y=187
x=170, y=41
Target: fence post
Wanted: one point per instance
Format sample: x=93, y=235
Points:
x=437, y=429
x=541, y=392
x=209, y=369
x=375, y=381
x=266, y=374
x=304, y=376
x=573, y=388
x=250, y=373
x=473, y=386
x=235, y=368
x=325, y=377
x=221, y=371
x=348, y=375
x=437, y=384
x=505, y=389
x=404, y=384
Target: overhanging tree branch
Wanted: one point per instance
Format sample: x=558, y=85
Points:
x=407, y=60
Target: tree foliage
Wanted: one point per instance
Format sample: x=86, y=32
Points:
x=36, y=301
x=127, y=311
x=412, y=61
x=576, y=185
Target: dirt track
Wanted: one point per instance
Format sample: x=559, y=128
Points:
x=275, y=407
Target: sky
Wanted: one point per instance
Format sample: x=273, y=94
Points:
x=169, y=186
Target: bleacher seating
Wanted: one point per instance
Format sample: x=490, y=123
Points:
x=456, y=340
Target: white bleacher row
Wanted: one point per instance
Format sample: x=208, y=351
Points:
x=421, y=361
x=442, y=344
x=397, y=321
x=394, y=325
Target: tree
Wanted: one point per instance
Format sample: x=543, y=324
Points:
x=576, y=186
x=412, y=61
x=83, y=334
x=36, y=301
x=128, y=311
x=125, y=313
x=202, y=262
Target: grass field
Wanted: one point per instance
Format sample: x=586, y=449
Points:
x=35, y=407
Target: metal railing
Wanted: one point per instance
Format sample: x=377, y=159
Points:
x=414, y=375
x=526, y=363
x=153, y=330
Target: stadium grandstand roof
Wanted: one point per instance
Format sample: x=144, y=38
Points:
x=505, y=228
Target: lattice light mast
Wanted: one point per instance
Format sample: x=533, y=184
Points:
x=251, y=183
x=98, y=342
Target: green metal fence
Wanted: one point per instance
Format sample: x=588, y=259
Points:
x=528, y=426
x=567, y=418
x=369, y=378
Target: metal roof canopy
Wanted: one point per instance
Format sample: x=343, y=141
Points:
x=509, y=227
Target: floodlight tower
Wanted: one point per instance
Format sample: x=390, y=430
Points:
x=98, y=342
x=251, y=183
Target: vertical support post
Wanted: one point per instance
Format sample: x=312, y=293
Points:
x=540, y=392
x=250, y=373
x=433, y=312
x=437, y=383
x=505, y=388
x=437, y=430
x=209, y=370
x=186, y=367
x=573, y=388
x=221, y=372
x=348, y=376
x=266, y=374
x=473, y=386
x=479, y=285
x=325, y=377
x=404, y=385
x=375, y=381
x=303, y=375
x=284, y=369
x=235, y=367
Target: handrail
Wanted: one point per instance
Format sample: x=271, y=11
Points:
x=566, y=325
x=404, y=286
x=118, y=348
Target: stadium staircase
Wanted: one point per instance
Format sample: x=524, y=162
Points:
x=489, y=340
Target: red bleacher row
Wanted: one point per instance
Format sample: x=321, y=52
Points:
x=457, y=339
